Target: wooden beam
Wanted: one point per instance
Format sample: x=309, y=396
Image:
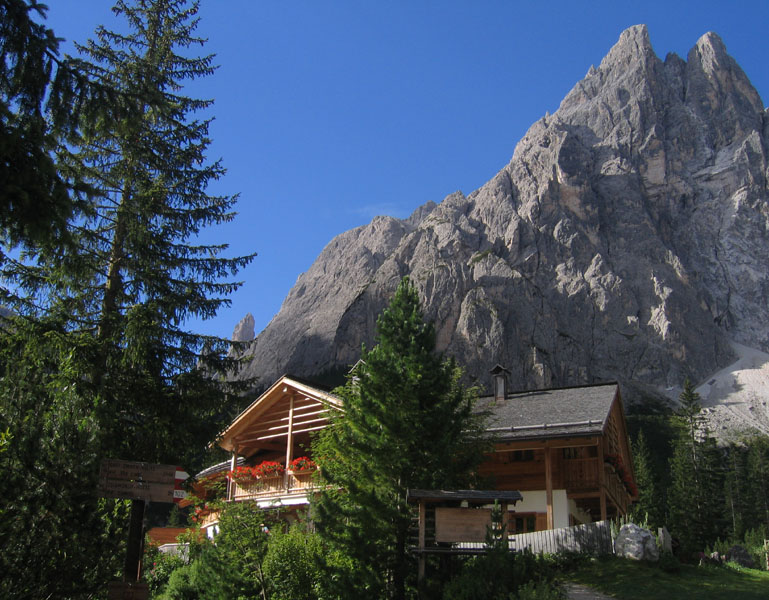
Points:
x=580, y=495
x=549, y=487
x=233, y=464
x=290, y=440
x=422, y=519
x=570, y=442
x=259, y=443
x=601, y=482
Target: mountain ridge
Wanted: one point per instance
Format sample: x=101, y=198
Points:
x=624, y=240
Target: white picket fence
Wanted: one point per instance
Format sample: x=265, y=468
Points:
x=592, y=538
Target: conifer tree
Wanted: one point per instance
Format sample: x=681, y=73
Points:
x=117, y=372
x=406, y=423
x=757, y=490
x=695, y=499
x=137, y=274
x=44, y=100
x=649, y=505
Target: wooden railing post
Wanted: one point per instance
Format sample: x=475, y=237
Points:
x=289, y=441
x=422, y=519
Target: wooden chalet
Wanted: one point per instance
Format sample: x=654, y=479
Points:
x=275, y=428
x=566, y=450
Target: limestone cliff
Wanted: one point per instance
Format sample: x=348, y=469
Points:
x=626, y=239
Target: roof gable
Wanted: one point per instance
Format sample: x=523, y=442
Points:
x=266, y=420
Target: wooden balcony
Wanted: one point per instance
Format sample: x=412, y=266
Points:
x=277, y=488
x=616, y=489
x=580, y=474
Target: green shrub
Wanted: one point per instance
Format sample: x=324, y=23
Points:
x=292, y=566
x=500, y=574
x=669, y=563
x=183, y=584
x=538, y=591
x=158, y=567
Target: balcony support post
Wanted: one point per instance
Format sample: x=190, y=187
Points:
x=602, y=481
x=289, y=441
x=549, y=486
x=233, y=464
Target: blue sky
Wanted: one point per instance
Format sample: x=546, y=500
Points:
x=329, y=113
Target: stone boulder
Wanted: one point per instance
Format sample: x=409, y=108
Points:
x=637, y=543
x=741, y=556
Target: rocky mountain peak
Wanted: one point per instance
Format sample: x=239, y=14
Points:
x=627, y=239
x=244, y=330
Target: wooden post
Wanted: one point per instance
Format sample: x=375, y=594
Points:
x=766, y=552
x=601, y=481
x=289, y=441
x=132, y=565
x=422, y=519
x=233, y=464
x=505, y=520
x=549, y=487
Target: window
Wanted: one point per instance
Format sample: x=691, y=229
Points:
x=523, y=522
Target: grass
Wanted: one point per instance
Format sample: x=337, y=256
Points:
x=632, y=580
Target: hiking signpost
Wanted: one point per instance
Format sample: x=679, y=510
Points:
x=141, y=483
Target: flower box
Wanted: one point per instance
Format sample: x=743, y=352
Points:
x=303, y=464
x=268, y=468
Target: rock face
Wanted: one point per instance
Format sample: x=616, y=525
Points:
x=636, y=543
x=244, y=330
x=627, y=239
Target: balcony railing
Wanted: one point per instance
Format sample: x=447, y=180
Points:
x=615, y=487
x=580, y=474
x=286, y=484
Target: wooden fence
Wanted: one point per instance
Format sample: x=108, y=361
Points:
x=592, y=538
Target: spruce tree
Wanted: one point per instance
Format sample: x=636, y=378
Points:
x=695, y=499
x=103, y=319
x=406, y=423
x=44, y=100
x=137, y=275
x=757, y=490
x=649, y=506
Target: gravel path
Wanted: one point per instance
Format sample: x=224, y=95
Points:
x=575, y=591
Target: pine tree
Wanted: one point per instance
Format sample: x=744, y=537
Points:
x=117, y=374
x=757, y=490
x=406, y=423
x=137, y=275
x=649, y=506
x=736, y=485
x=44, y=100
x=695, y=499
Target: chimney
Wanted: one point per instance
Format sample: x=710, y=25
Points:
x=499, y=373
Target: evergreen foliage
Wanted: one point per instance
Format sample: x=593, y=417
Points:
x=52, y=520
x=649, y=506
x=44, y=100
x=696, y=491
x=95, y=360
x=406, y=423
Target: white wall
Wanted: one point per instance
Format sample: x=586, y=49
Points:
x=580, y=515
x=536, y=502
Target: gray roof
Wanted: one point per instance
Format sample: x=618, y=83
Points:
x=222, y=466
x=564, y=412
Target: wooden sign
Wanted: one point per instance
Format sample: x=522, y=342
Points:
x=125, y=590
x=461, y=524
x=127, y=470
x=137, y=490
x=137, y=481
